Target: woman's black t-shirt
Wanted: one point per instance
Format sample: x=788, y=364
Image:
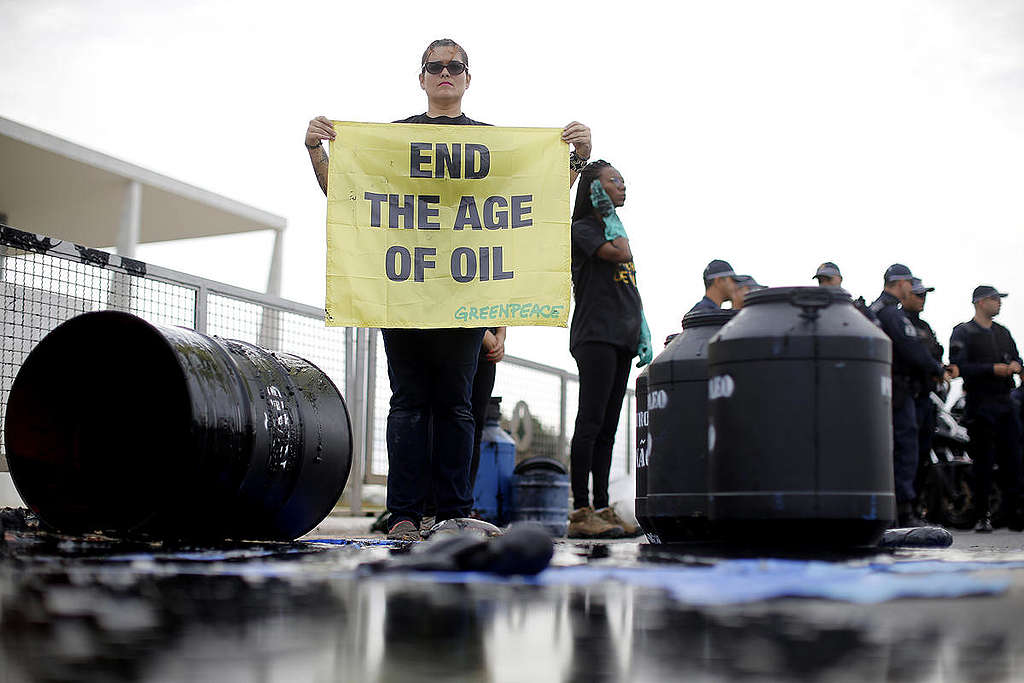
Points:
x=460, y=120
x=608, y=307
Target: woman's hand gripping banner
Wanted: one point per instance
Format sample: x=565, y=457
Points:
x=447, y=226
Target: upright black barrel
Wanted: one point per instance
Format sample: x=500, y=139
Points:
x=117, y=425
x=672, y=434
x=800, y=436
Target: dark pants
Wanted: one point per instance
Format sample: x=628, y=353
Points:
x=431, y=374
x=603, y=370
x=926, y=416
x=994, y=428
x=483, y=385
x=904, y=445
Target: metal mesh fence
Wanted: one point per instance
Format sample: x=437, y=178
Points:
x=40, y=291
x=380, y=406
x=531, y=411
x=44, y=282
x=274, y=328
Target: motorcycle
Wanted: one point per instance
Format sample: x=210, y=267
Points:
x=947, y=477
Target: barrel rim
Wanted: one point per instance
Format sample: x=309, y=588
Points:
x=817, y=296
x=352, y=456
x=708, y=318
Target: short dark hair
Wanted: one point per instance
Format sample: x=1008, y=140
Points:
x=589, y=174
x=445, y=42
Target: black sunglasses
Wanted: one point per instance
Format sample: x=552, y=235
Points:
x=454, y=67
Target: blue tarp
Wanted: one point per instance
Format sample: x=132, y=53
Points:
x=740, y=581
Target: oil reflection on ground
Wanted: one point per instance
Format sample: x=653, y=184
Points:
x=72, y=610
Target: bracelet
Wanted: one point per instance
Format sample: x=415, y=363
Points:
x=576, y=162
x=318, y=144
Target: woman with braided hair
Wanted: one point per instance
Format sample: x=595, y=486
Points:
x=608, y=329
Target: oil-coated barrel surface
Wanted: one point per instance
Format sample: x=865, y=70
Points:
x=672, y=431
x=118, y=425
x=800, y=436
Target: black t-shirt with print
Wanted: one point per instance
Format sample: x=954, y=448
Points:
x=608, y=306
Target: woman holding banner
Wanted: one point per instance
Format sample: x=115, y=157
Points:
x=608, y=329
x=432, y=371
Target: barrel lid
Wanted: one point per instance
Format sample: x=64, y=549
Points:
x=540, y=462
x=802, y=297
x=707, y=318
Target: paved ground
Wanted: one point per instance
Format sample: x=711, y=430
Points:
x=1000, y=541
x=81, y=609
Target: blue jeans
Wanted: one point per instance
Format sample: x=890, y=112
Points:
x=431, y=373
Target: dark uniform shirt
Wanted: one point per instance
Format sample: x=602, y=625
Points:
x=608, y=307
x=705, y=304
x=975, y=349
x=910, y=358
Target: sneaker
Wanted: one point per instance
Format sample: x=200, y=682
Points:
x=984, y=525
x=403, y=530
x=585, y=523
x=609, y=515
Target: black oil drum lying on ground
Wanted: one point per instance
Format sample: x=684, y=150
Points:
x=117, y=425
x=672, y=434
x=800, y=436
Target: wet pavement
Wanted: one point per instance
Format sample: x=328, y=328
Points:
x=91, y=609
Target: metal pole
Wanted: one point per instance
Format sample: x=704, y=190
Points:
x=202, y=295
x=358, y=403
x=630, y=447
x=119, y=293
x=371, y=400
x=131, y=209
x=274, y=275
x=350, y=355
x=563, y=417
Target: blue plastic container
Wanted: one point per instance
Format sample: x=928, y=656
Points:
x=540, y=494
x=491, y=492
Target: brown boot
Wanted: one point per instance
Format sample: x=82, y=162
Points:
x=584, y=523
x=609, y=515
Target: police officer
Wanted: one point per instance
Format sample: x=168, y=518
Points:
x=744, y=284
x=988, y=358
x=828, y=275
x=924, y=407
x=719, y=285
x=910, y=360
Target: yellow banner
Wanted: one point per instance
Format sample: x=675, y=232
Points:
x=447, y=226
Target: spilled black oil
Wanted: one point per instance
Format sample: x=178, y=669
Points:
x=92, y=609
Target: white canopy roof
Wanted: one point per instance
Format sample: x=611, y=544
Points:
x=54, y=187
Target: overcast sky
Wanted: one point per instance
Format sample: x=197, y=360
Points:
x=776, y=135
